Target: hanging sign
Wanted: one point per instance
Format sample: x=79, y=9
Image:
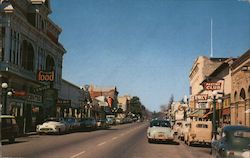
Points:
x=212, y=85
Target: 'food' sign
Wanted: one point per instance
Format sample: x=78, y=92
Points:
x=212, y=86
x=46, y=76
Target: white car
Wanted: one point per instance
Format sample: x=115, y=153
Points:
x=160, y=130
x=52, y=125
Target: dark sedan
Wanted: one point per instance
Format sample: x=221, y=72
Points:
x=234, y=143
x=88, y=123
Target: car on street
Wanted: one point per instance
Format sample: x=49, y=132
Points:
x=53, y=125
x=200, y=132
x=184, y=129
x=234, y=143
x=102, y=123
x=88, y=123
x=72, y=123
x=160, y=130
x=177, y=126
x=9, y=128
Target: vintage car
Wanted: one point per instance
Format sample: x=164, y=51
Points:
x=88, y=123
x=199, y=132
x=234, y=143
x=184, y=129
x=72, y=123
x=160, y=130
x=177, y=127
x=9, y=128
x=53, y=125
x=102, y=123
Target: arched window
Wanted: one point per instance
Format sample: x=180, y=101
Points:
x=50, y=64
x=242, y=94
x=27, y=55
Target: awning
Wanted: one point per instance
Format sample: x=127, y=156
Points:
x=197, y=113
x=226, y=111
x=207, y=114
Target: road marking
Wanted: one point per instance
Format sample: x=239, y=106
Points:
x=122, y=134
x=114, y=138
x=76, y=155
x=102, y=143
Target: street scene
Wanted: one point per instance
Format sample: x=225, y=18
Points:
x=125, y=79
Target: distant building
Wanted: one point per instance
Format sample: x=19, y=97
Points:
x=123, y=103
x=110, y=93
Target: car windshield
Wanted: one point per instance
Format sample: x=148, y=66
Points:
x=160, y=123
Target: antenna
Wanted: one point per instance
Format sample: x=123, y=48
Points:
x=211, y=42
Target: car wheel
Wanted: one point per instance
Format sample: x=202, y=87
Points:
x=59, y=131
x=12, y=139
x=149, y=140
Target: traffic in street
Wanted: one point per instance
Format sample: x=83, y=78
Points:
x=121, y=141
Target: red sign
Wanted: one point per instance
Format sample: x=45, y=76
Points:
x=46, y=76
x=20, y=93
x=212, y=86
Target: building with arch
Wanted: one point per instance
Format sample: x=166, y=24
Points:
x=30, y=60
x=240, y=96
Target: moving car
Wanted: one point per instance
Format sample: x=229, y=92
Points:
x=199, y=132
x=234, y=143
x=160, y=130
x=9, y=128
x=53, y=125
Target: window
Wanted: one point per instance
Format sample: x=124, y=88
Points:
x=202, y=126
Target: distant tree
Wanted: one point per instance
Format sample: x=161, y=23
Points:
x=136, y=106
x=171, y=100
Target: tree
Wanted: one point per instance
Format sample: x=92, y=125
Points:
x=136, y=106
x=171, y=100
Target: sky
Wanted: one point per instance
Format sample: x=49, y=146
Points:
x=146, y=48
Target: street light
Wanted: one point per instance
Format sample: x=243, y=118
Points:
x=214, y=93
x=5, y=93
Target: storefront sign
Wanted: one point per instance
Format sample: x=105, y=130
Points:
x=34, y=97
x=63, y=102
x=212, y=86
x=201, y=97
x=46, y=76
x=20, y=93
x=42, y=88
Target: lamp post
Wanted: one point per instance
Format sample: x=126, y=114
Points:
x=214, y=93
x=5, y=93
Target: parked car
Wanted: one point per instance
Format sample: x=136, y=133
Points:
x=72, y=123
x=160, y=130
x=102, y=123
x=110, y=120
x=88, y=123
x=234, y=143
x=184, y=129
x=199, y=132
x=53, y=125
x=177, y=126
x=9, y=128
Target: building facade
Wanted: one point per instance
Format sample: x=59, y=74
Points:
x=70, y=99
x=201, y=69
x=30, y=60
x=240, y=96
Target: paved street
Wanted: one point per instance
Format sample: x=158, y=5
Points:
x=123, y=141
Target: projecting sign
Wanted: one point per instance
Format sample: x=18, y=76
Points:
x=212, y=86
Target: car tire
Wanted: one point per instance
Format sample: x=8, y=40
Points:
x=59, y=131
x=149, y=140
x=12, y=139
